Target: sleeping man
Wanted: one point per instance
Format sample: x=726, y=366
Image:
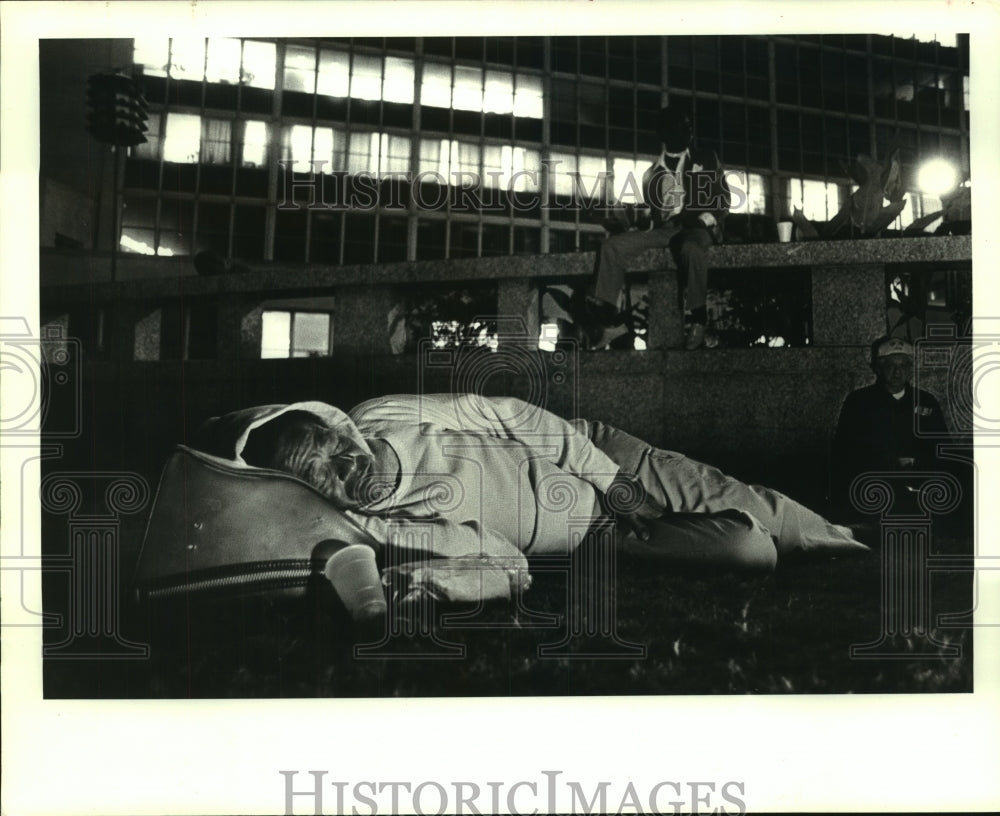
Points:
x=493, y=480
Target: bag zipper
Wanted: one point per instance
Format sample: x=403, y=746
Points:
x=267, y=575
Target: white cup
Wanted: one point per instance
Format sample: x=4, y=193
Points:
x=785, y=231
x=356, y=580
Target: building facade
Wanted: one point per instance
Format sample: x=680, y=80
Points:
x=346, y=151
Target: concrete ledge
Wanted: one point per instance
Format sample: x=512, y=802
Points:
x=67, y=276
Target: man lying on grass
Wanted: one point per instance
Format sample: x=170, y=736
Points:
x=466, y=476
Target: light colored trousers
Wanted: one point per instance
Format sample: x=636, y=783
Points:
x=689, y=245
x=707, y=517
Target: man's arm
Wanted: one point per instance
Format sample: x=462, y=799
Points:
x=497, y=417
x=931, y=422
x=710, y=194
x=852, y=451
x=436, y=537
x=447, y=560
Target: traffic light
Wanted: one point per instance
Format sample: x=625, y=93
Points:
x=116, y=110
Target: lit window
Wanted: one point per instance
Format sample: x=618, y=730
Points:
x=276, y=335
x=334, y=74
x=528, y=97
x=930, y=204
x=300, y=69
x=965, y=92
x=818, y=200
x=398, y=83
x=310, y=334
x=560, y=167
x=466, y=160
x=583, y=177
x=497, y=160
x=910, y=212
x=394, y=154
x=749, y=192
x=366, y=78
x=259, y=60
x=150, y=148
x=449, y=158
x=254, y=144
x=434, y=156
x=323, y=140
x=917, y=206
x=131, y=244
x=378, y=154
x=627, y=181
x=435, y=86
x=467, y=92
x=527, y=168
x=152, y=53
x=217, y=135
x=469, y=89
x=294, y=334
x=297, y=146
x=511, y=168
x=498, y=94
x=359, y=153
x=182, y=140
x=187, y=58
x=223, y=63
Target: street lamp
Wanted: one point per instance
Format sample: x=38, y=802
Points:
x=937, y=177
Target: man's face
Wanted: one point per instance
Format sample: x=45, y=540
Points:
x=349, y=465
x=676, y=137
x=894, y=371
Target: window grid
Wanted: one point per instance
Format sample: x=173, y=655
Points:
x=491, y=113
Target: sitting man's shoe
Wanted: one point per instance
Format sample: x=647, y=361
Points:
x=694, y=336
x=601, y=322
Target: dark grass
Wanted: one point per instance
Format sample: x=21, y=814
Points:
x=787, y=633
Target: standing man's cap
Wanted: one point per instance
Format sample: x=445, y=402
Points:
x=894, y=345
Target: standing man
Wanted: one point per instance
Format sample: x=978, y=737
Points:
x=688, y=199
x=878, y=425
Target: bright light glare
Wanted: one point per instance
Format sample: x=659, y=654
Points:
x=937, y=177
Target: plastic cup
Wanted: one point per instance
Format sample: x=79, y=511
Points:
x=785, y=231
x=356, y=580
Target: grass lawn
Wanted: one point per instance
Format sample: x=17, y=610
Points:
x=787, y=633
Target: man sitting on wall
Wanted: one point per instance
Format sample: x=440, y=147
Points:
x=878, y=425
x=469, y=476
x=688, y=200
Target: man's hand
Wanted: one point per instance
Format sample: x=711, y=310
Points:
x=633, y=526
x=631, y=505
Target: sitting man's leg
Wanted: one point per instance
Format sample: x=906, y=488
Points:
x=729, y=540
x=690, y=249
x=617, y=252
x=676, y=484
